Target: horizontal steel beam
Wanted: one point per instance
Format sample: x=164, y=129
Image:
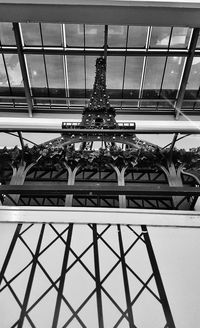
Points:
x=99, y=52
x=100, y=132
x=97, y=189
x=54, y=125
x=117, y=12
x=82, y=215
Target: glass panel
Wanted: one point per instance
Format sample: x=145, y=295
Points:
x=172, y=76
x=51, y=34
x=6, y=34
x=3, y=77
x=37, y=74
x=31, y=34
x=198, y=42
x=76, y=77
x=14, y=70
x=194, y=79
x=160, y=37
x=137, y=36
x=90, y=72
x=115, y=70
x=130, y=104
x=188, y=104
x=153, y=77
x=168, y=104
x=94, y=35
x=74, y=35
x=55, y=74
x=117, y=36
x=132, y=77
x=180, y=37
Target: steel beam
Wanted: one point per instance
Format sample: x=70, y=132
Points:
x=139, y=126
x=30, y=280
x=93, y=190
x=186, y=73
x=122, y=12
x=81, y=215
x=98, y=52
x=97, y=278
x=23, y=67
x=125, y=279
x=158, y=279
x=62, y=278
x=10, y=251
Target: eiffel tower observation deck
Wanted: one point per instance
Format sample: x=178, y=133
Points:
x=99, y=119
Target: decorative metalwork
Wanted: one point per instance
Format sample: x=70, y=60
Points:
x=91, y=283
x=99, y=114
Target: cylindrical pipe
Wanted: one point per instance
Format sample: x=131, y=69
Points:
x=53, y=125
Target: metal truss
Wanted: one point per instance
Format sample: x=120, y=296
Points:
x=35, y=103
x=83, y=276
x=133, y=178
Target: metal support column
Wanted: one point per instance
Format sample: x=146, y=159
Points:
x=62, y=277
x=105, y=42
x=30, y=281
x=23, y=67
x=186, y=73
x=97, y=276
x=158, y=279
x=125, y=278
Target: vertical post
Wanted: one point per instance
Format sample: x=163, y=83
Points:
x=97, y=276
x=121, y=182
x=18, y=178
x=23, y=67
x=71, y=181
x=62, y=277
x=186, y=73
x=105, y=43
x=158, y=279
x=125, y=278
x=30, y=280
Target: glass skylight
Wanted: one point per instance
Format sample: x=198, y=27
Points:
x=143, y=64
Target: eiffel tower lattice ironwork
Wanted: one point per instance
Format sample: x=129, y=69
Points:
x=99, y=113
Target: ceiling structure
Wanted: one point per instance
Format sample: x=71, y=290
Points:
x=47, y=69
x=50, y=68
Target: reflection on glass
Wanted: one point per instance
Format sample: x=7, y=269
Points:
x=55, y=74
x=36, y=71
x=160, y=37
x=137, y=36
x=172, y=76
x=90, y=71
x=153, y=77
x=115, y=70
x=31, y=34
x=117, y=36
x=94, y=35
x=51, y=34
x=76, y=77
x=180, y=37
x=133, y=74
x=194, y=79
x=3, y=77
x=14, y=70
x=130, y=104
x=74, y=35
x=6, y=34
x=198, y=42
